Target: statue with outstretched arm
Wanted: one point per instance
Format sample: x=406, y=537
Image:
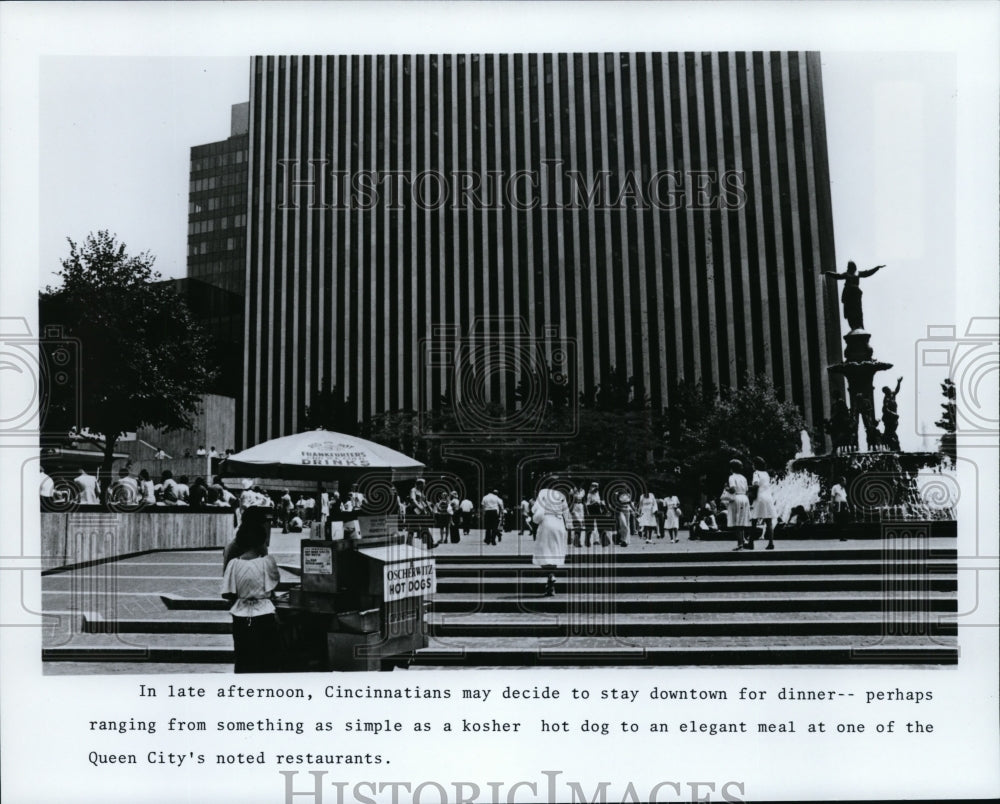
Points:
x=890, y=415
x=850, y=297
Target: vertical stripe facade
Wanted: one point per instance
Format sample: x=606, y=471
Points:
x=668, y=214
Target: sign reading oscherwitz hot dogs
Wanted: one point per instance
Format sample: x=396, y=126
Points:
x=409, y=579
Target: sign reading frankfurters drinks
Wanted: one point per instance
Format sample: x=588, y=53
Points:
x=409, y=579
x=330, y=453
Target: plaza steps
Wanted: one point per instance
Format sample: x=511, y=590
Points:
x=616, y=607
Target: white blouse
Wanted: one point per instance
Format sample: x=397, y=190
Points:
x=252, y=581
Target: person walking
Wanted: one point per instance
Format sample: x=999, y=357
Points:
x=762, y=507
x=577, y=515
x=738, y=504
x=626, y=511
x=550, y=513
x=838, y=505
x=249, y=580
x=647, y=516
x=467, y=508
x=417, y=513
x=492, y=508
x=525, y=516
x=671, y=515
x=286, y=509
x=442, y=517
x=454, y=518
x=595, y=508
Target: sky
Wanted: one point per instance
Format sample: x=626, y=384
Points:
x=115, y=133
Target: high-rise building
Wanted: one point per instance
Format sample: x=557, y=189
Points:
x=665, y=215
x=217, y=208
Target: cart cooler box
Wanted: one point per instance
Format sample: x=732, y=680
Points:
x=370, y=594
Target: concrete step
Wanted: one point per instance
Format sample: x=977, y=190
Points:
x=678, y=568
x=583, y=623
x=699, y=602
x=573, y=651
x=639, y=652
x=626, y=584
x=623, y=626
x=897, y=550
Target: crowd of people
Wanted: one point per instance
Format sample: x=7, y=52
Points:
x=595, y=516
x=132, y=491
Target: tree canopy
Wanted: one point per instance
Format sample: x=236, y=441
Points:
x=948, y=421
x=143, y=359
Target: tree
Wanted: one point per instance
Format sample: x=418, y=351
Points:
x=143, y=358
x=744, y=422
x=331, y=410
x=615, y=392
x=948, y=421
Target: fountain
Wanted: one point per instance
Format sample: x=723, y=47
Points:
x=881, y=479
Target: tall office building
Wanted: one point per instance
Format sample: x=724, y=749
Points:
x=217, y=207
x=666, y=215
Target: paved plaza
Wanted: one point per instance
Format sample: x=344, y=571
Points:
x=689, y=603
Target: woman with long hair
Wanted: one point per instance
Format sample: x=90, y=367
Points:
x=250, y=578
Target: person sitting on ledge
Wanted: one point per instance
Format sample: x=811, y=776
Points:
x=704, y=522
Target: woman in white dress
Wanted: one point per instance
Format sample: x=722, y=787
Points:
x=671, y=515
x=577, y=515
x=738, y=504
x=647, y=515
x=551, y=513
x=762, y=508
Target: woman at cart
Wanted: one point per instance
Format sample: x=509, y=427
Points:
x=249, y=580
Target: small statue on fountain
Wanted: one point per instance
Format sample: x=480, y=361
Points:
x=890, y=416
x=850, y=297
x=841, y=427
x=863, y=410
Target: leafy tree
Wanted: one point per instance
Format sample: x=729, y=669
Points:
x=948, y=421
x=615, y=392
x=532, y=383
x=331, y=410
x=743, y=423
x=143, y=357
x=690, y=403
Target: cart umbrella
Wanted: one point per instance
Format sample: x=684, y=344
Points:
x=315, y=455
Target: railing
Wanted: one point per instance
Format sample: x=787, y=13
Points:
x=92, y=534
